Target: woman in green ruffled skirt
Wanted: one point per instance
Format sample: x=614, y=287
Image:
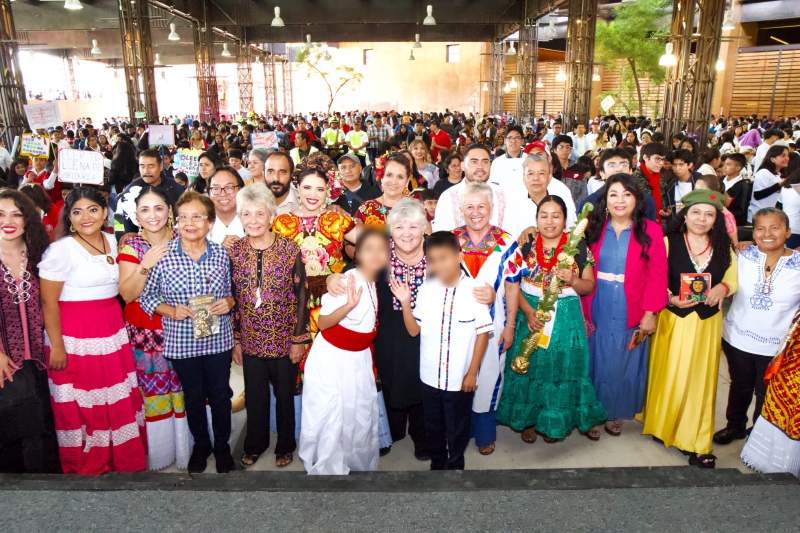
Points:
x=556, y=395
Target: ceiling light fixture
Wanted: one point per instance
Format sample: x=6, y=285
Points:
x=596, y=74
x=668, y=59
x=308, y=38
x=173, y=35
x=513, y=83
x=157, y=60
x=417, y=44
x=485, y=86
x=277, y=22
x=429, y=20
x=719, y=66
x=411, y=56
x=506, y=88
x=561, y=75
x=539, y=84
x=225, y=51
x=511, y=50
x=727, y=21
x=73, y=5
x=95, y=51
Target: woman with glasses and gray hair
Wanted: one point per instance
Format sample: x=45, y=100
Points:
x=269, y=323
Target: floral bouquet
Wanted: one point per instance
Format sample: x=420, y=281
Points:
x=544, y=309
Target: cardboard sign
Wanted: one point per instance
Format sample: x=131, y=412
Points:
x=607, y=103
x=43, y=116
x=139, y=114
x=161, y=135
x=80, y=166
x=265, y=139
x=188, y=161
x=33, y=145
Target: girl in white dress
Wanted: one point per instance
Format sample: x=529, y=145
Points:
x=339, y=427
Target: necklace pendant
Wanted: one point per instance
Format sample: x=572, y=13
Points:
x=109, y=260
x=258, y=298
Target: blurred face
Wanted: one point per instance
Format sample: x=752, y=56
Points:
x=235, y=162
x=681, y=168
x=313, y=192
x=615, y=165
x=537, y=177
x=206, y=168
x=349, y=170
x=620, y=202
x=654, y=163
x=87, y=217
x=12, y=221
x=781, y=161
x=514, y=142
x=550, y=220
x=563, y=150
x=476, y=165
x=152, y=213
x=256, y=219
x=686, y=145
x=300, y=142
x=193, y=221
x=700, y=219
x=222, y=189
x=278, y=175
x=256, y=167
x=373, y=254
x=407, y=235
x=477, y=211
x=418, y=151
x=150, y=170
x=444, y=263
x=39, y=163
x=770, y=233
x=20, y=169
x=454, y=169
x=730, y=168
x=581, y=129
x=395, y=180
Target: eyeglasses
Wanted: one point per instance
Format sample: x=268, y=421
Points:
x=513, y=138
x=194, y=219
x=614, y=165
x=216, y=191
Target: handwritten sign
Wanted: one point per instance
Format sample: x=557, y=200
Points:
x=43, y=116
x=80, y=166
x=33, y=145
x=607, y=103
x=188, y=161
x=161, y=135
x=265, y=139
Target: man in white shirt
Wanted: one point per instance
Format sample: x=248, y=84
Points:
x=506, y=170
x=581, y=142
x=222, y=189
x=539, y=182
x=553, y=133
x=770, y=137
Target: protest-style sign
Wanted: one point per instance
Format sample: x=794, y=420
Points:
x=80, y=166
x=159, y=135
x=33, y=145
x=43, y=116
x=265, y=139
x=187, y=161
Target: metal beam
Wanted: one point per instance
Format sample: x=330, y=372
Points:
x=206, y=70
x=244, y=77
x=137, y=60
x=12, y=90
x=497, y=68
x=270, y=83
x=695, y=36
x=527, y=61
x=581, y=23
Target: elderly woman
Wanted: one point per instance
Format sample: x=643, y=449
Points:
x=486, y=249
x=256, y=161
x=270, y=323
x=27, y=437
x=190, y=288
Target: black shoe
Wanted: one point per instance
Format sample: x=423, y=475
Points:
x=224, y=462
x=198, y=460
x=385, y=451
x=422, y=456
x=728, y=435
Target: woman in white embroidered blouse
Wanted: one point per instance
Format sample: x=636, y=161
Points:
x=759, y=317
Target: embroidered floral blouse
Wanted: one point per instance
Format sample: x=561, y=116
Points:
x=476, y=253
x=413, y=275
x=271, y=299
x=372, y=214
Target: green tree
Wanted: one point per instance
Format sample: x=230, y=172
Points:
x=318, y=59
x=634, y=39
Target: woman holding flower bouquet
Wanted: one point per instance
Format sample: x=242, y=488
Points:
x=394, y=184
x=556, y=394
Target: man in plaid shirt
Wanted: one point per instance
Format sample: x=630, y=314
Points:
x=377, y=133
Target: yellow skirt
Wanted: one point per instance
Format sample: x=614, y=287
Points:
x=682, y=384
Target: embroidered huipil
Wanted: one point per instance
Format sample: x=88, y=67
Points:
x=266, y=322
x=174, y=280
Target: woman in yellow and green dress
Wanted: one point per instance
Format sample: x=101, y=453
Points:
x=684, y=355
x=556, y=395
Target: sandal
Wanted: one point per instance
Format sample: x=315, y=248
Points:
x=614, y=428
x=249, y=459
x=529, y=435
x=706, y=460
x=593, y=434
x=282, y=461
x=486, y=450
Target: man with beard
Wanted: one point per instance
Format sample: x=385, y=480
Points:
x=278, y=171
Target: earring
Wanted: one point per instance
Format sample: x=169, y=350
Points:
x=71, y=228
x=169, y=222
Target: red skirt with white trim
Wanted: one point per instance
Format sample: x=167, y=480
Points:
x=97, y=405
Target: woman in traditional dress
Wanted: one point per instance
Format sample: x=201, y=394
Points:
x=774, y=443
x=556, y=395
x=96, y=400
x=684, y=357
x=394, y=184
x=168, y=437
x=759, y=317
x=486, y=249
x=339, y=429
x=631, y=289
x=27, y=437
x=422, y=158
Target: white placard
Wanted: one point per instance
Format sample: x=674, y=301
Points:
x=265, y=139
x=80, y=166
x=607, y=103
x=187, y=161
x=159, y=135
x=43, y=116
x=33, y=145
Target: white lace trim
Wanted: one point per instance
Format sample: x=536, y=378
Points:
x=75, y=438
x=770, y=450
x=94, y=345
x=87, y=399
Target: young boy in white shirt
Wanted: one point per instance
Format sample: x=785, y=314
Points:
x=454, y=332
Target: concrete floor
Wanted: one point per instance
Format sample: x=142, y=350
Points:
x=630, y=449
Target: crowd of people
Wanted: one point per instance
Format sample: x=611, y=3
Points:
x=378, y=275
